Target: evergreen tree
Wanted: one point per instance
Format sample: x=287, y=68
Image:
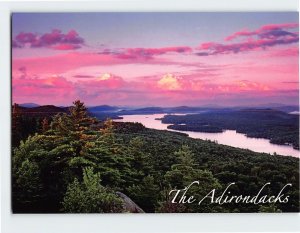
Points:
x=140, y=162
x=45, y=125
x=89, y=196
x=111, y=158
x=107, y=132
x=146, y=194
x=79, y=116
x=62, y=125
x=184, y=173
x=28, y=182
x=165, y=205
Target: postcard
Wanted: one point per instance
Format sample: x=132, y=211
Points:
x=155, y=112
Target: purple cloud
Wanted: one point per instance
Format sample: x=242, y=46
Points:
x=146, y=53
x=264, y=37
x=54, y=40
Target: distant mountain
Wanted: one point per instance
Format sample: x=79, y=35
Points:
x=29, y=105
x=275, y=105
x=184, y=108
x=141, y=111
x=187, y=109
x=170, y=110
x=278, y=106
x=149, y=110
x=114, y=111
x=43, y=111
x=103, y=108
x=47, y=108
x=288, y=108
x=265, y=111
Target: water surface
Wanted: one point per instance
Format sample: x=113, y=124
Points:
x=228, y=137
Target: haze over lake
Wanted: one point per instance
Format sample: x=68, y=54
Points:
x=228, y=137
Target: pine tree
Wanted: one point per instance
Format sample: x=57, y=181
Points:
x=62, y=125
x=185, y=156
x=89, y=196
x=140, y=163
x=110, y=156
x=184, y=173
x=108, y=132
x=79, y=116
x=45, y=125
x=146, y=193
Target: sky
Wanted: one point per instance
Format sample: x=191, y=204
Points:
x=155, y=59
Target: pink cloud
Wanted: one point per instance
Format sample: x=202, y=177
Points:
x=149, y=52
x=106, y=81
x=50, y=89
x=262, y=30
x=62, y=62
x=279, y=26
x=176, y=90
x=215, y=48
x=168, y=89
x=15, y=44
x=265, y=37
x=171, y=82
x=58, y=90
x=289, y=52
x=53, y=40
x=65, y=47
x=26, y=37
x=238, y=34
x=146, y=53
x=83, y=76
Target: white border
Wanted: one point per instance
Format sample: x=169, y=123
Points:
x=63, y=223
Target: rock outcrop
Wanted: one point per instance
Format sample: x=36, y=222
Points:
x=129, y=205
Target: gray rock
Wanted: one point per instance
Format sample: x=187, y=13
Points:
x=129, y=204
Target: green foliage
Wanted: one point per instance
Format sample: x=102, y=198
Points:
x=28, y=181
x=22, y=125
x=140, y=163
x=45, y=125
x=269, y=209
x=145, y=194
x=57, y=170
x=89, y=196
x=185, y=172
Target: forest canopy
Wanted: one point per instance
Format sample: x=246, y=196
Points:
x=70, y=162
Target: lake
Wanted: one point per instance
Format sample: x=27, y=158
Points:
x=228, y=137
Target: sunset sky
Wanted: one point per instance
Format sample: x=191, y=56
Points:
x=155, y=59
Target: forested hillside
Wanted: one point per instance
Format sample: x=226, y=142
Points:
x=73, y=163
x=280, y=127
